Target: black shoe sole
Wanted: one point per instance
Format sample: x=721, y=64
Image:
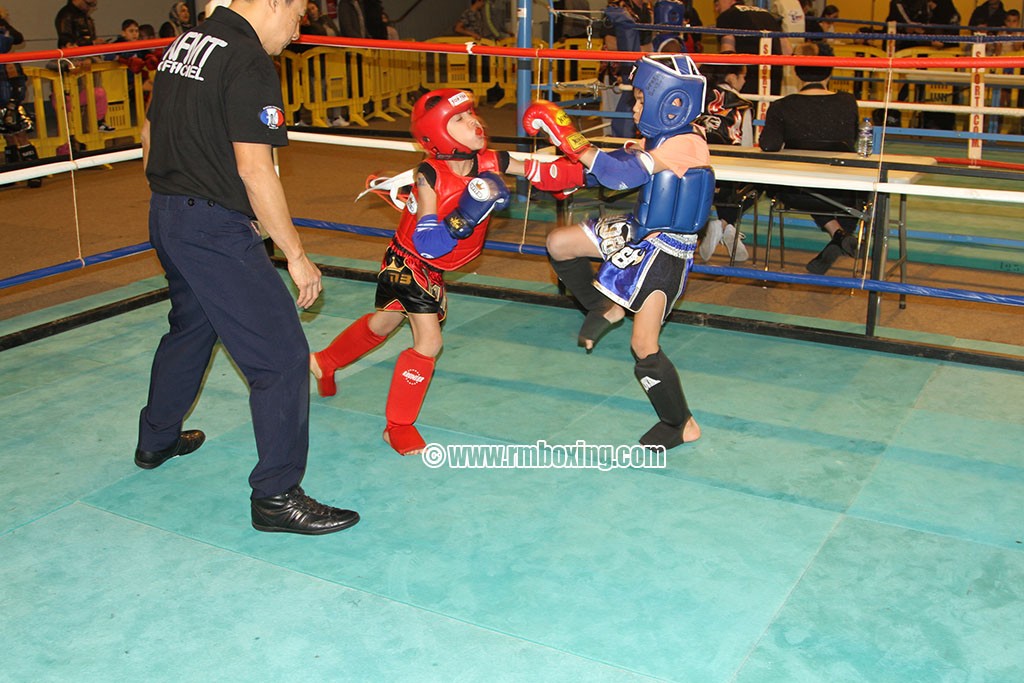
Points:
x=305, y=532
x=178, y=451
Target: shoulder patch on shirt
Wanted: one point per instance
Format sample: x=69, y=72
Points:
x=272, y=117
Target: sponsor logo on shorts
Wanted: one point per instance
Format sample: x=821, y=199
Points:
x=272, y=117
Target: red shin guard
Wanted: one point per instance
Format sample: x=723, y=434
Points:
x=357, y=340
x=408, y=388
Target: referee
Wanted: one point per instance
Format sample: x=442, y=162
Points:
x=215, y=115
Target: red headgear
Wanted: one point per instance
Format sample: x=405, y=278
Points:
x=430, y=116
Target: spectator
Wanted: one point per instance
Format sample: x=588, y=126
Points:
x=944, y=13
x=828, y=15
x=15, y=123
x=146, y=32
x=139, y=63
x=73, y=20
x=811, y=22
x=471, y=23
x=350, y=24
x=820, y=119
x=726, y=121
x=676, y=13
x=129, y=32
x=1012, y=23
x=99, y=94
x=734, y=14
x=906, y=13
x=790, y=14
x=180, y=18
x=391, y=28
x=991, y=14
x=373, y=11
x=167, y=30
x=350, y=19
x=321, y=24
x=620, y=20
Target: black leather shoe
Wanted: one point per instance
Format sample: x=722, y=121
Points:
x=188, y=442
x=296, y=513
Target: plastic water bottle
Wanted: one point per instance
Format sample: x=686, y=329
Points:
x=865, y=138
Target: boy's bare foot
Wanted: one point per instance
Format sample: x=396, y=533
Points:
x=325, y=385
x=405, y=439
x=597, y=323
x=668, y=436
x=691, y=431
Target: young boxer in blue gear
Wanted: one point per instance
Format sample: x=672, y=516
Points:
x=648, y=254
x=443, y=227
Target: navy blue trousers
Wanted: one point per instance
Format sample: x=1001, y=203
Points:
x=222, y=285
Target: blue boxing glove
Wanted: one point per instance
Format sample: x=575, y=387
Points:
x=484, y=194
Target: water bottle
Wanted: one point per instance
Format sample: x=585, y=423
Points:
x=865, y=138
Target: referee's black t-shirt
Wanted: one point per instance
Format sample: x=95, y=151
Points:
x=215, y=85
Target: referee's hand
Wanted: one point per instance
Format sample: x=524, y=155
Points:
x=307, y=278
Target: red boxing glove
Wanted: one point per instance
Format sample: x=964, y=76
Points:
x=152, y=60
x=136, y=65
x=549, y=117
x=561, y=177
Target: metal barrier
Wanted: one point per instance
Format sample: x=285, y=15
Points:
x=368, y=83
x=82, y=98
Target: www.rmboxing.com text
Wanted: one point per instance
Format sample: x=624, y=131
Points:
x=543, y=455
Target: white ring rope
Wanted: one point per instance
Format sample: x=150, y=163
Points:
x=943, y=191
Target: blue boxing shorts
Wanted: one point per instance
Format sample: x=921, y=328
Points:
x=634, y=269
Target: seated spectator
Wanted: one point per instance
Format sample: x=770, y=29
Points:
x=991, y=14
x=726, y=121
x=819, y=119
x=943, y=13
x=683, y=15
x=811, y=24
x=906, y=13
x=139, y=63
x=321, y=24
x=15, y=123
x=1012, y=23
x=471, y=23
x=734, y=14
x=146, y=32
x=99, y=93
x=167, y=30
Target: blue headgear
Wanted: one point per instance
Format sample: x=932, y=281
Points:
x=673, y=95
x=669, y=12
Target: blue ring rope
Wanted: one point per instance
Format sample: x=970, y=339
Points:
x=748, y=273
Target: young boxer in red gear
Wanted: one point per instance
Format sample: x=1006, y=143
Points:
x=443, y=227
x=647, y=254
